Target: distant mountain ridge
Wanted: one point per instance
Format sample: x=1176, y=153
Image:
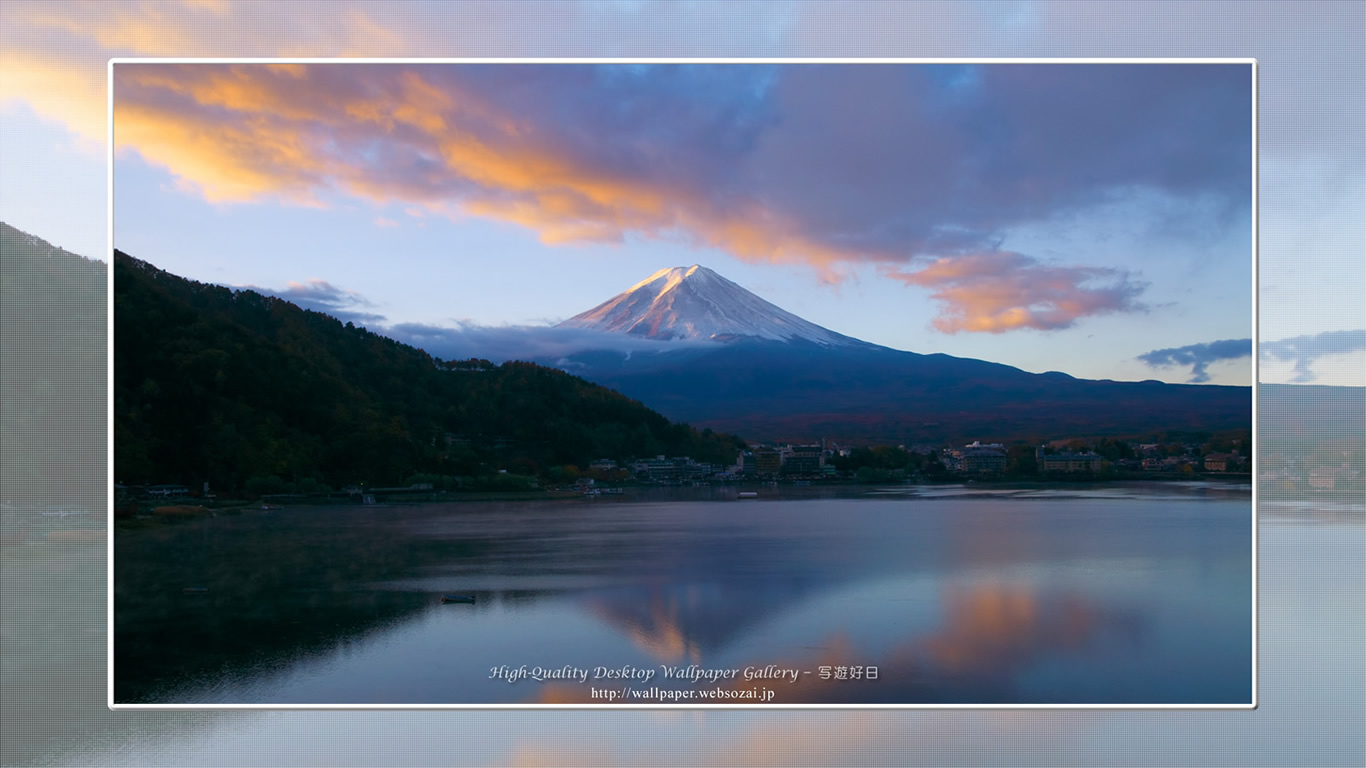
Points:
x=774, y=375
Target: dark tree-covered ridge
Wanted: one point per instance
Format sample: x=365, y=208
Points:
x=53, y=364
x=220, y=385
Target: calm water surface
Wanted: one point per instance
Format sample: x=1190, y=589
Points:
x=1135, y=594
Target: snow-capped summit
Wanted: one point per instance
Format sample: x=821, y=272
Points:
x=696, y=303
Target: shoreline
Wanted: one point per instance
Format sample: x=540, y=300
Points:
x=727, y=492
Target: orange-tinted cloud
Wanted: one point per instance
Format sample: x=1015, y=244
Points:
x=56, y=89
x=824, y=166
x=220, y=27
x=998, y=291
x=827, y=167
x=688, y=154
x=240, y=133
x=56, y=51
x=225, y=162
x=682, y=153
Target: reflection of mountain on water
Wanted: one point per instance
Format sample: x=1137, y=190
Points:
x=988, y=632
x=955, y=601
x=263, y=591
x=690, y=622
x=988, y=642
x=173, y=640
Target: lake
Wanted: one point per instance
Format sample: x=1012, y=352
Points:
x=1127, y=594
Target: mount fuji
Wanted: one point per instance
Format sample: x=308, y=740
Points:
x=695, y=303
x=752, y=368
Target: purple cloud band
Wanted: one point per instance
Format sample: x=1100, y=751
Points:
x=1305, y=350
x=1199, y=356
x=322, y=296
x=1302, y=350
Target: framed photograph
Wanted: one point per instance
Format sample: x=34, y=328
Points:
x=683, y=384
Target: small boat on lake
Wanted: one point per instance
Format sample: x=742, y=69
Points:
x=747, y=495
x=457, y=598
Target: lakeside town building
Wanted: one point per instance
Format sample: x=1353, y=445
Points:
x=1087, y=461
x=977, y=458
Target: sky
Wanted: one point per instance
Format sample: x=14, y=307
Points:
x=1056, y=217
x=1093, y=219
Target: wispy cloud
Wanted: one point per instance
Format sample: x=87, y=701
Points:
x=464, y=339
x=1305, y=350
x=322, y=296
x=521, y=342
x=1000, y=291
x=1199, y=356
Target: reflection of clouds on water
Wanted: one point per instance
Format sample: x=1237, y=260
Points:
x=989, y=629
x=989, y=636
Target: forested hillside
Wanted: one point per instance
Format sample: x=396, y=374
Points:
x=52, y=373
x=237, y=389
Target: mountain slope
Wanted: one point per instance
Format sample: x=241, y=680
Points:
x=52, y=372
x=225, y=386
x=696, y=303
x=786, y=392
x=781, y=377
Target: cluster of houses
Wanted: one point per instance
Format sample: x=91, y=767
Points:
x=767, y=462
x=992, y=459
x=1321, y=470
x=803, y=462
x=812, y=461
x=795, y=460
x=975, y=459
x=679, y=469
x=162, y=491
x=979, y=458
